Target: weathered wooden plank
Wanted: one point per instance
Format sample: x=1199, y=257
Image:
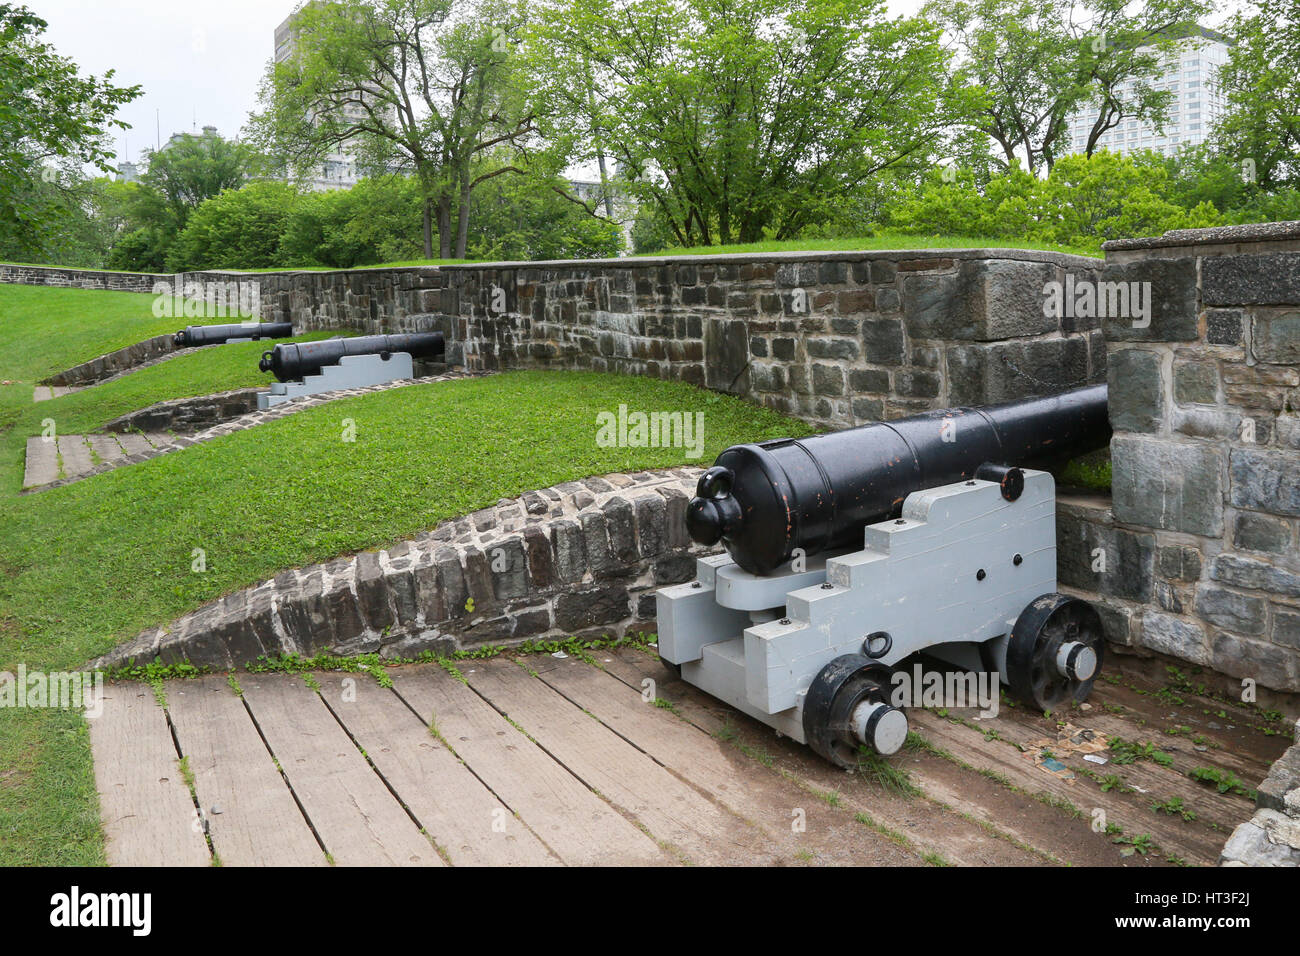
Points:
x=929, y=827
x=353, y=813
x=575, y=823
x=453, y=806
x=734, y=780
x=672, y=811
x=251, y=814
x=1196, y=844
x=148, y=814
x=1157, y=783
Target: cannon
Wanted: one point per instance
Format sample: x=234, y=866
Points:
x=850, y=551
x=219, y=334
x=294, y=361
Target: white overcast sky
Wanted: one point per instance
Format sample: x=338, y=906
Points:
x=199, y=61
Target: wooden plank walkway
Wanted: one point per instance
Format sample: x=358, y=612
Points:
x=544, y=760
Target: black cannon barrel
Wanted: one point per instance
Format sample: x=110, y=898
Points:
x=763, y=501
x=217, y=334
x=292, y=361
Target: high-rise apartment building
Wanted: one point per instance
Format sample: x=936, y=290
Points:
x=1190, y=73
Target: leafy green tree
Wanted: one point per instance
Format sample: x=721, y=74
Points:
x=1084, y=201
x=410, y=85
x=524, y=217
x=239, y=229
x=1035, y=62
x=1090, y=199
x=372, y=222
x=53, y=122
x=1260, y=129
x=192, y=168
x=741, y=119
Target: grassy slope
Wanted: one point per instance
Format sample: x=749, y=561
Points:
x=87, y=565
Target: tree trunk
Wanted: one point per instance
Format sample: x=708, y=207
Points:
x=462, y=218
x=444, y=226
x=428, y=228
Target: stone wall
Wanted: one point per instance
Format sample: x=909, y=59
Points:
x=114, y=363
x=1200, y=539
x=583, y=558
x=835, y=338
x=188, y=414
x=79, y=278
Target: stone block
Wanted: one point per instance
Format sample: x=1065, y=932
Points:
x=1265, y=480
x=1276, y=336
x=1262, y=279
x=1135, y=389
x=575, y=610
x=1175, y=636
x=1170, y=485
x=1150, y=300
x=1255, y=574
x=1196, y=382
x=883, y=341
x=1231, y=609
x=1007, y=299
x=1257, y=532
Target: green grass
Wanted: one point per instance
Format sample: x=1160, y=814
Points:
x=44, y=330
x=218, y=368
x=88, y=565
x=884, y=240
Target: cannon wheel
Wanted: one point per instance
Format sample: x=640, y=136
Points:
x=1042, y=628
x=828, y=708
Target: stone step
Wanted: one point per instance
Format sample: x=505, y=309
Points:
x=42, y=465
x=44, y=393
x=71, y=456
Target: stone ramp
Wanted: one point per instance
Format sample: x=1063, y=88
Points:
x=607, y=758
x=64, y=458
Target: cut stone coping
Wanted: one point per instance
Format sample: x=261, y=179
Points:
x=176, y=442
x=1216, y=235
x=737, y=258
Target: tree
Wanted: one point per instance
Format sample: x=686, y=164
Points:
x=53, y=122
x=409, y=85
x=739, y=119
x=527, y=217
x=1037, y=62
x=239, y=229
x=191, y=169
x=1260, y=128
